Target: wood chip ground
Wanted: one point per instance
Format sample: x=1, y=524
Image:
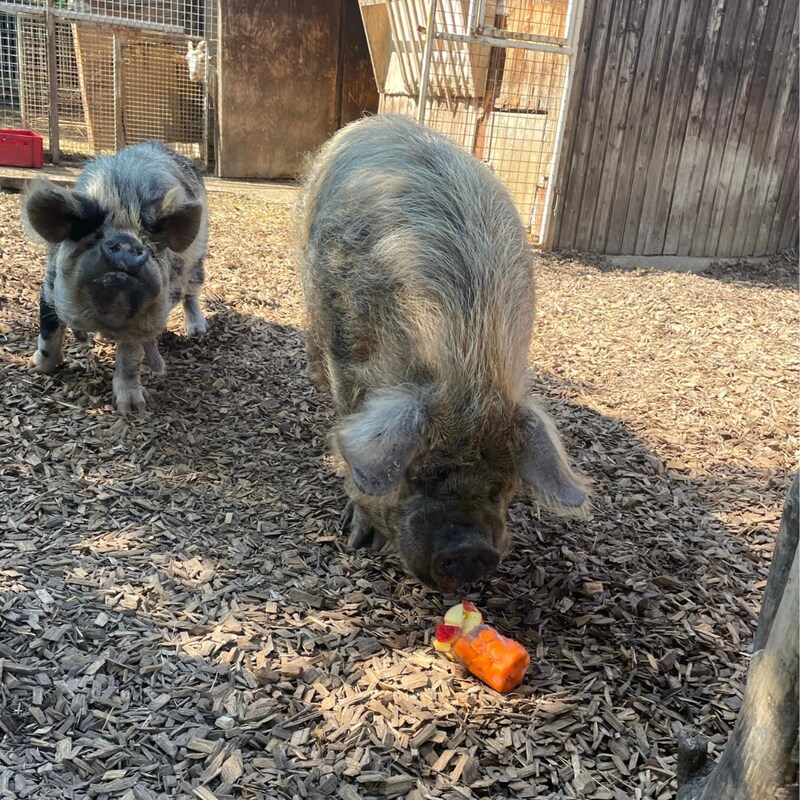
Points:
x=179, y=616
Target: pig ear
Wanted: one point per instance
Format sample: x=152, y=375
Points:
x=545, y=466
x=179, y=223
x=379, y=441
x=56, y=214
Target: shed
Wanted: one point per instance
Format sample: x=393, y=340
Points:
x=619, y=126
x=682, y=134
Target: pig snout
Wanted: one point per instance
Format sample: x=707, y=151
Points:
x=123, y=252
x=464, y=563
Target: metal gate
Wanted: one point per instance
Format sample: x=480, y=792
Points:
x=92, y=76
x=493, y=75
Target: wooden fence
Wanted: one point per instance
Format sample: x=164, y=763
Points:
x=682, y=135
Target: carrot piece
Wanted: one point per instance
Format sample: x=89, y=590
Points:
x=497, y=660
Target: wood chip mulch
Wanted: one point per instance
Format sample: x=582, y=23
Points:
x=179, y=616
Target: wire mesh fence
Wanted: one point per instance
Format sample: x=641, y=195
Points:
x=493, y=78
x=123, y=71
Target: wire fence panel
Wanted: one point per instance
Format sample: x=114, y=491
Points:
x=492, y=75
x=126, y=70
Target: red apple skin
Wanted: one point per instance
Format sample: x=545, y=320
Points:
x=468, y=606
x=447, y=633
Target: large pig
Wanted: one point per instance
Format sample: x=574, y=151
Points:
x=418, y=281
x=125, y=246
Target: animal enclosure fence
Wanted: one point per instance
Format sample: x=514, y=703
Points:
x=92, y=76
x=493, y=75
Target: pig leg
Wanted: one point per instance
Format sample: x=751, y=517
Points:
x=195, y=322
x=316, y=364
x=362, y=534
x=127, y=385
x=49, y=351
x=152, y=358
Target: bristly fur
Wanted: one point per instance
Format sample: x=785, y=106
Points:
x=435, y=256
x=150, y=196
x=417, y=272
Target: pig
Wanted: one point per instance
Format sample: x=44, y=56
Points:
x=125, y=246
x=418, y=283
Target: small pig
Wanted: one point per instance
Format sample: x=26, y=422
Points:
x=419, y=291
x=125, y=246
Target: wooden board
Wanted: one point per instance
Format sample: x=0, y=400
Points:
x=648, y=66
x=94, y=53
x=584, y=107
x=680, y=128
x=730, y=74
x=780, y=104
x=277, y=77
x=759, y=91
x=359, y=93
x=517, y=151
x=613, y=163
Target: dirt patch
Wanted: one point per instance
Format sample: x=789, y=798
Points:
x=179, y=616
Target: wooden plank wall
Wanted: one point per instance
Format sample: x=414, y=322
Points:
x=682, y=134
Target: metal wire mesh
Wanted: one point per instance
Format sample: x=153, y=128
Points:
x=497, y=94
x=125, y=70
x=34, y=102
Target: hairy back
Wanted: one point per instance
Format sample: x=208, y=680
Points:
x=418, y=282
x=420, y=249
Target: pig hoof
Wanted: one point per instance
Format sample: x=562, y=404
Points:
x=362, y=534
x=44, y=364
x=130, y=401
x=196, y=328
x=153, y=360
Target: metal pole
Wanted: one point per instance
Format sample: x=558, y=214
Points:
x=21, y=76
x=207, y=33
x=573, y=34
x=52, y=80
x=426, y=62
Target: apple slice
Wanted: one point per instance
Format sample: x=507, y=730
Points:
x=445, y=635
x=472, y=617
x=455, y=615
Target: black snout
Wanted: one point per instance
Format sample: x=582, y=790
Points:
x=464, y=565
x=124, y=252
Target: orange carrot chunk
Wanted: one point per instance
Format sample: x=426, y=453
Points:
x=497, y=660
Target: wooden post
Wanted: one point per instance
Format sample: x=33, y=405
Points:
x=494, y=77
x=119, y=94
x=52, y=80
x=760, y=760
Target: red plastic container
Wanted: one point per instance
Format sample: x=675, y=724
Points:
x=21, y=148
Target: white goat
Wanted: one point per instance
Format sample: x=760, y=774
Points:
x=196, y=61
x=196, y=58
